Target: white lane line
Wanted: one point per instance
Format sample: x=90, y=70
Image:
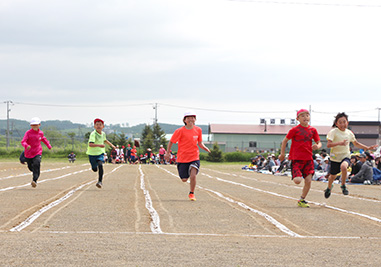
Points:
x=283, y=196
x=29, y=173
x=210, y=235
x=269, y=218
x=155, y=219
x=292, y=186
x=277, y=224
x=38, y=213
x=42, y=181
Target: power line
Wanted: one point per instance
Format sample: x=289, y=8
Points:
x=225, y=110
x=335, y=112
x=305, y=3
x=81, y=106
x=155, y=106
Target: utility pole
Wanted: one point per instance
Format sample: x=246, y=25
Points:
x=310, y=114
x=155, y=119
x=379, y=126
x=8, y=110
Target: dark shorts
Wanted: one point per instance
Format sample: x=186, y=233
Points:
x=162, y=156
x=184, y=168
x=302, y=168
x=336, y=166
x=94, y=160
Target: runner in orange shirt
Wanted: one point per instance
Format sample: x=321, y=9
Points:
x=188, y=139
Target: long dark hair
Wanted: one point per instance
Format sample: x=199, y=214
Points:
x=338, y=116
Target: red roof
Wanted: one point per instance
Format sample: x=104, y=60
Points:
x=259, y=129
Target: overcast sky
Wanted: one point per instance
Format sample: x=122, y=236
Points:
x=230, y=61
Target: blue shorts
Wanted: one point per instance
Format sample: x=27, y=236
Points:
x=184, y=168
x=94, y=160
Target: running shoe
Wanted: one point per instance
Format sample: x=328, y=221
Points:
x=33, y=183
x=302, y=203
x=344, y=189
x=327, y=192
x=99, y=185
x=192, y=197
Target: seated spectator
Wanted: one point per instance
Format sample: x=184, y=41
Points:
x=253, y=164
x=326, y=165
x=148, y=155
x=355, y=165
x=378, y=162
x=284, y=165
x=270, y=164
x=261, y=163
x=71, y=157
x=113, y=156
x=143, y=159
x=317, y=163
x=276, y=160
x=173, y=159
x=370, y=157
x=365, y=173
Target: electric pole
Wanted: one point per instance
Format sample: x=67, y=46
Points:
x=8, y=110
x=155, y=119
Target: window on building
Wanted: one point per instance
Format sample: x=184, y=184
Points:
x=252, y=144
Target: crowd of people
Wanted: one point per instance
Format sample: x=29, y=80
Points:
x=130, y=155
x=364, y=167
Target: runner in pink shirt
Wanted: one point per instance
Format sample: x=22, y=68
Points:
x=33, y=149
x=161, y=154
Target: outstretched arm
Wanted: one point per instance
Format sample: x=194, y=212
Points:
x=283, y=149
x=359, y=145
x=109, y=143
x=201, y=144
x=168, y=153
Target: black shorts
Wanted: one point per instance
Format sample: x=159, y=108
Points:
x=184, y=168
x=336, y=166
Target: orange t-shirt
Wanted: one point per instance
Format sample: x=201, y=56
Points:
x=187, y=143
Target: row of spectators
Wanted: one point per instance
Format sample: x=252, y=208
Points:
x=130, y=155
x=364, y=168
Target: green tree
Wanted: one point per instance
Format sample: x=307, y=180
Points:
x=147, y=142
x=215, y=154
x=121, y=140
x=72, y=136
x=54, y=136
x=86, y=137
x=159, y=137
x=146, y=131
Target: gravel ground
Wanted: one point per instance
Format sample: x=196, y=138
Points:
x=142, y=217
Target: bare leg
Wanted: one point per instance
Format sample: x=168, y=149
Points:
x=192, y=177
x=344, y=172
x=307, y=186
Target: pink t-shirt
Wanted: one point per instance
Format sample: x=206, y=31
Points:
x=33, y=139
x=187, y=140
x=162, y=151
x=301, y=146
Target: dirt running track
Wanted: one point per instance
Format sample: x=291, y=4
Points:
x=142, y=217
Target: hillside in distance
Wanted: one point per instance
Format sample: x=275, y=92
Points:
x=19, y=127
